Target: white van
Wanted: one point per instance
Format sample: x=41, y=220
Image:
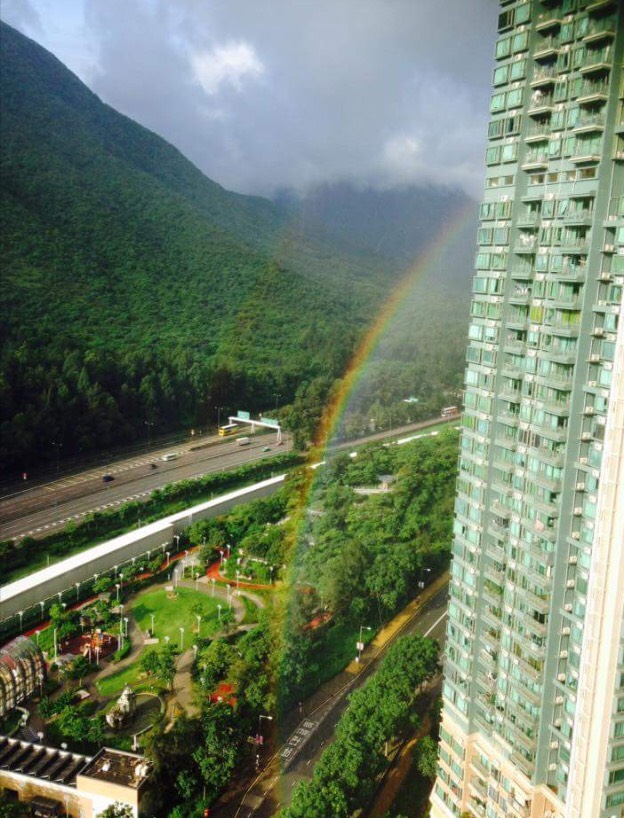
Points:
x=170, y=456
x=243, y=441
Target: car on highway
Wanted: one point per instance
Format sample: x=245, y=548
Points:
x=107, y=478
x=267, y=449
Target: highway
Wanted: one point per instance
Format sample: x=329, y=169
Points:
x=272, y=791
x=34, y=509
x=37, y=510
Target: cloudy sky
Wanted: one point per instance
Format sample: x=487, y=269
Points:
x=267, y=94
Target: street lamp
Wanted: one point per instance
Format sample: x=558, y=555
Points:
x=421, y=583
x=55, y=644
x=181, y=638
x=77, y=584
x=212, y=580
x=42, y=603
x=260, y=741
x=168, y=557
x=219, y=612
x=37, y=635
x=152, y=618
x=118, y=586
x=126, y=624
x=360, y=644
x=237, y=579
x=21, y=616
x=198, y=617
x=271, y=569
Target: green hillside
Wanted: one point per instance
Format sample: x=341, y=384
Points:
x=134, y=288
x=137, y=291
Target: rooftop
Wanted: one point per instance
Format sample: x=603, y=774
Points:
x=117, y=767
x=37, y=761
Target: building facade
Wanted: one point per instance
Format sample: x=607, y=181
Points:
x=533, y=721
x=55, y=783
x=22, y=672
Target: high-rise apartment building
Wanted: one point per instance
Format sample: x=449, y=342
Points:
x=533, y=720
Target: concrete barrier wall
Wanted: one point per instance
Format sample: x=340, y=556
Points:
x=109, y=557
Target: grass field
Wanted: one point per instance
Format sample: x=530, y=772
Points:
x=171, y=614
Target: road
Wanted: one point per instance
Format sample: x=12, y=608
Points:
x=272, y=791
x=35, y=511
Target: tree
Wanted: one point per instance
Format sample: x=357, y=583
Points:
x=427, y=757
x=13, y=809
x=117, y=810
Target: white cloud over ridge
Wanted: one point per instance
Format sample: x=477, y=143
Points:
x=267, y=94
x=227, y=64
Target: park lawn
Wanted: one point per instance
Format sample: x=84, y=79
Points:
x=115, y=683
x=171, y=614
x=338, y=648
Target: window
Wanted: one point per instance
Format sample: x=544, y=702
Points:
x=495, y=128
x=503, y=48
x=518, y=70
x=509, y=153
x=520, y=41
x=512, y=124
x=514, y=98
x=498, y=102
x=501, y=75
x=492, y=156
x=523, y=13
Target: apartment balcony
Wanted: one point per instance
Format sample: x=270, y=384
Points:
x=543, y=76
x=547, y=47
x=593, y=92
x=602, y=29
x=535, y=160
x=514, y=346
x=529, y=218
x=570, y=245
x=522, y=271
x=599, y=6
x=479, y=768
x=526, y=766
x=590, y=122
x=572, y=272
x=583, y=155
x=479, y=788
x=581, y=217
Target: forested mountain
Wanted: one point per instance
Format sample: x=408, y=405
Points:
x=137, y=291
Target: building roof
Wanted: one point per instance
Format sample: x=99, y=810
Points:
x=37, y=761
x=117, y=767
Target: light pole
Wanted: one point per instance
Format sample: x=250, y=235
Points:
x=198, y=617
x=118, y=586
x=237, y=579
x=212, y=580
x=168, y=557
x=181, y=638
x=126, y=625
x=260, y=736
x=421, y=583
x=55, y=645
x=21, y=616
x=152, y=618
x=219, y=612
x=58, y=447
x=271, y=569
x=277, y=397
x=42, y=603
x=176, y=537
x=37, y=635
x=77, y=584
x=115, y=567
x=229, y=596
x=360, y=644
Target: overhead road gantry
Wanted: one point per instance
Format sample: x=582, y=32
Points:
x=245, y=419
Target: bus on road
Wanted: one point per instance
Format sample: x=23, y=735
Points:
x=449, y=412
x=228, y=429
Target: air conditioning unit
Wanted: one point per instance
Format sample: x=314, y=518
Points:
x=552, y=767
x=604, y=277
x=565, y=631
x=554, y=745
x=588, y=410
x=570, y=583
x=592, y=384
x=586, y=436
x=598, y=331
x=583, y=461
x=609, y=248
x=594, y=358
x=619, y=155
x=563, y=654
x=573, y=560
x=580, y=486
x=557, y=722
x=560, y=678
x=559, y=699
x=578, y=510
x=568, y=608
x=576, y=535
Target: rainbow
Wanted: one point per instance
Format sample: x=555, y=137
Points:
x=366, y=350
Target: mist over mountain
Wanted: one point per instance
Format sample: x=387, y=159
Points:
x=138, y=291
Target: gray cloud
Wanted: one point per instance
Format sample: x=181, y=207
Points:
x=263, y=94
